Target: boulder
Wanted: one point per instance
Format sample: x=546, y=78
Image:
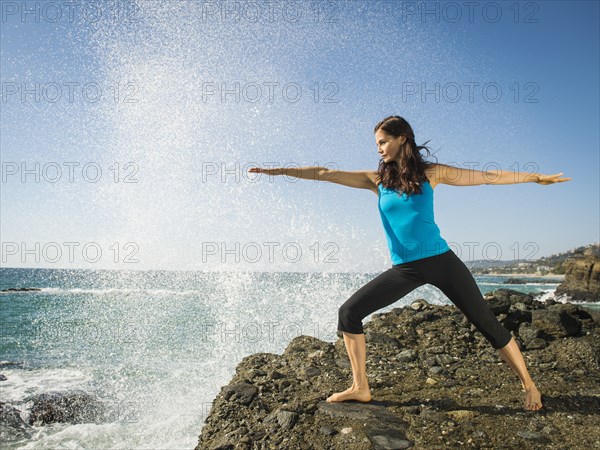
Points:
x=556, y=323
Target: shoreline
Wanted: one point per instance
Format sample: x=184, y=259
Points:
x=279, y=400
x=518, y=275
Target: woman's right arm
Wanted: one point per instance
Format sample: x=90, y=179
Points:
x=362, y=179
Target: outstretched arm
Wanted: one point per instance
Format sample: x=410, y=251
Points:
x=307, y=173
x=363, y=179
x=455, y=176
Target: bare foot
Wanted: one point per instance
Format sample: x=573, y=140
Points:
x=362, y=395
x=533, y=399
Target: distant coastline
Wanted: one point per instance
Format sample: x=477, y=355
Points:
x=518, y=275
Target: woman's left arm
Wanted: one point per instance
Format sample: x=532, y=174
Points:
x=508, y=177
x=455, y=176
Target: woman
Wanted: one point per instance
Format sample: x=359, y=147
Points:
x=404, y=183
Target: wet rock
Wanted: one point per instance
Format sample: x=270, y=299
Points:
x=12, y=365
x=419, y=305
x=499, y=305
x=380, y=338
x=520, y=306
x=358, y=411
x=256, y=436
x=512, y=296
x=71, y=407
x=529, y=434
x=555, y=323
x=316, y=354
x=535, y=344
x=275, y=375
x=328, y=431
x=444, y=359
x=462, y=415
x=527, y=332
x=429, y=362
x=388, y=439
x=580, y=313
x=12, y=426
x=303, y=345
x=407, y=355
x=286, y=419
x=435, y=349
x=515, y=318
x=431, y=415
x=25, y=289
x=594, y=314
x=256, y=373
x=310, y=372
x=242, y=393
x=383, y=428
x=435, y=370
x=422, y=316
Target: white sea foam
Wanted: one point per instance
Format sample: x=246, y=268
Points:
x=22, y=383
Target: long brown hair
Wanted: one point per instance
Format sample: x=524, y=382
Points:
x=408, y=175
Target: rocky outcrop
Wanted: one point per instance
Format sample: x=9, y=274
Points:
x=20, y=289
x=12, y=426
x=72, y=407
x=48, y=408
x=582, y=278
x=515, y=281
x=435, y=381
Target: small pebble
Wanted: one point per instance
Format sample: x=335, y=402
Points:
x=529, y=434
x=328, y=431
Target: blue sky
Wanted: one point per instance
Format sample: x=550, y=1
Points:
x=192, y=206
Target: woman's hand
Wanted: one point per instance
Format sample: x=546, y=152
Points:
x=549, y=179
x=275, y=171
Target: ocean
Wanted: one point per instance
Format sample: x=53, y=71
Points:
x=155, y=347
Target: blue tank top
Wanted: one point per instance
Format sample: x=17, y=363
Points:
x=410, y=228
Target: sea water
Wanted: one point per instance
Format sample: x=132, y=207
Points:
x=155, y=347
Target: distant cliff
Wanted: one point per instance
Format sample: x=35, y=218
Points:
x=582, y=277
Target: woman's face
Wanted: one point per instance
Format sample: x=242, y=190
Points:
x=387, y=145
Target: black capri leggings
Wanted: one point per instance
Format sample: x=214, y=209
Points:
x=446, y=272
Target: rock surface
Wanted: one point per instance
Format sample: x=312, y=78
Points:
x=12, y=426
x=582, y=278
x=435, y=381
x=72, y=407
x=25, y=289
x=47, y=408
